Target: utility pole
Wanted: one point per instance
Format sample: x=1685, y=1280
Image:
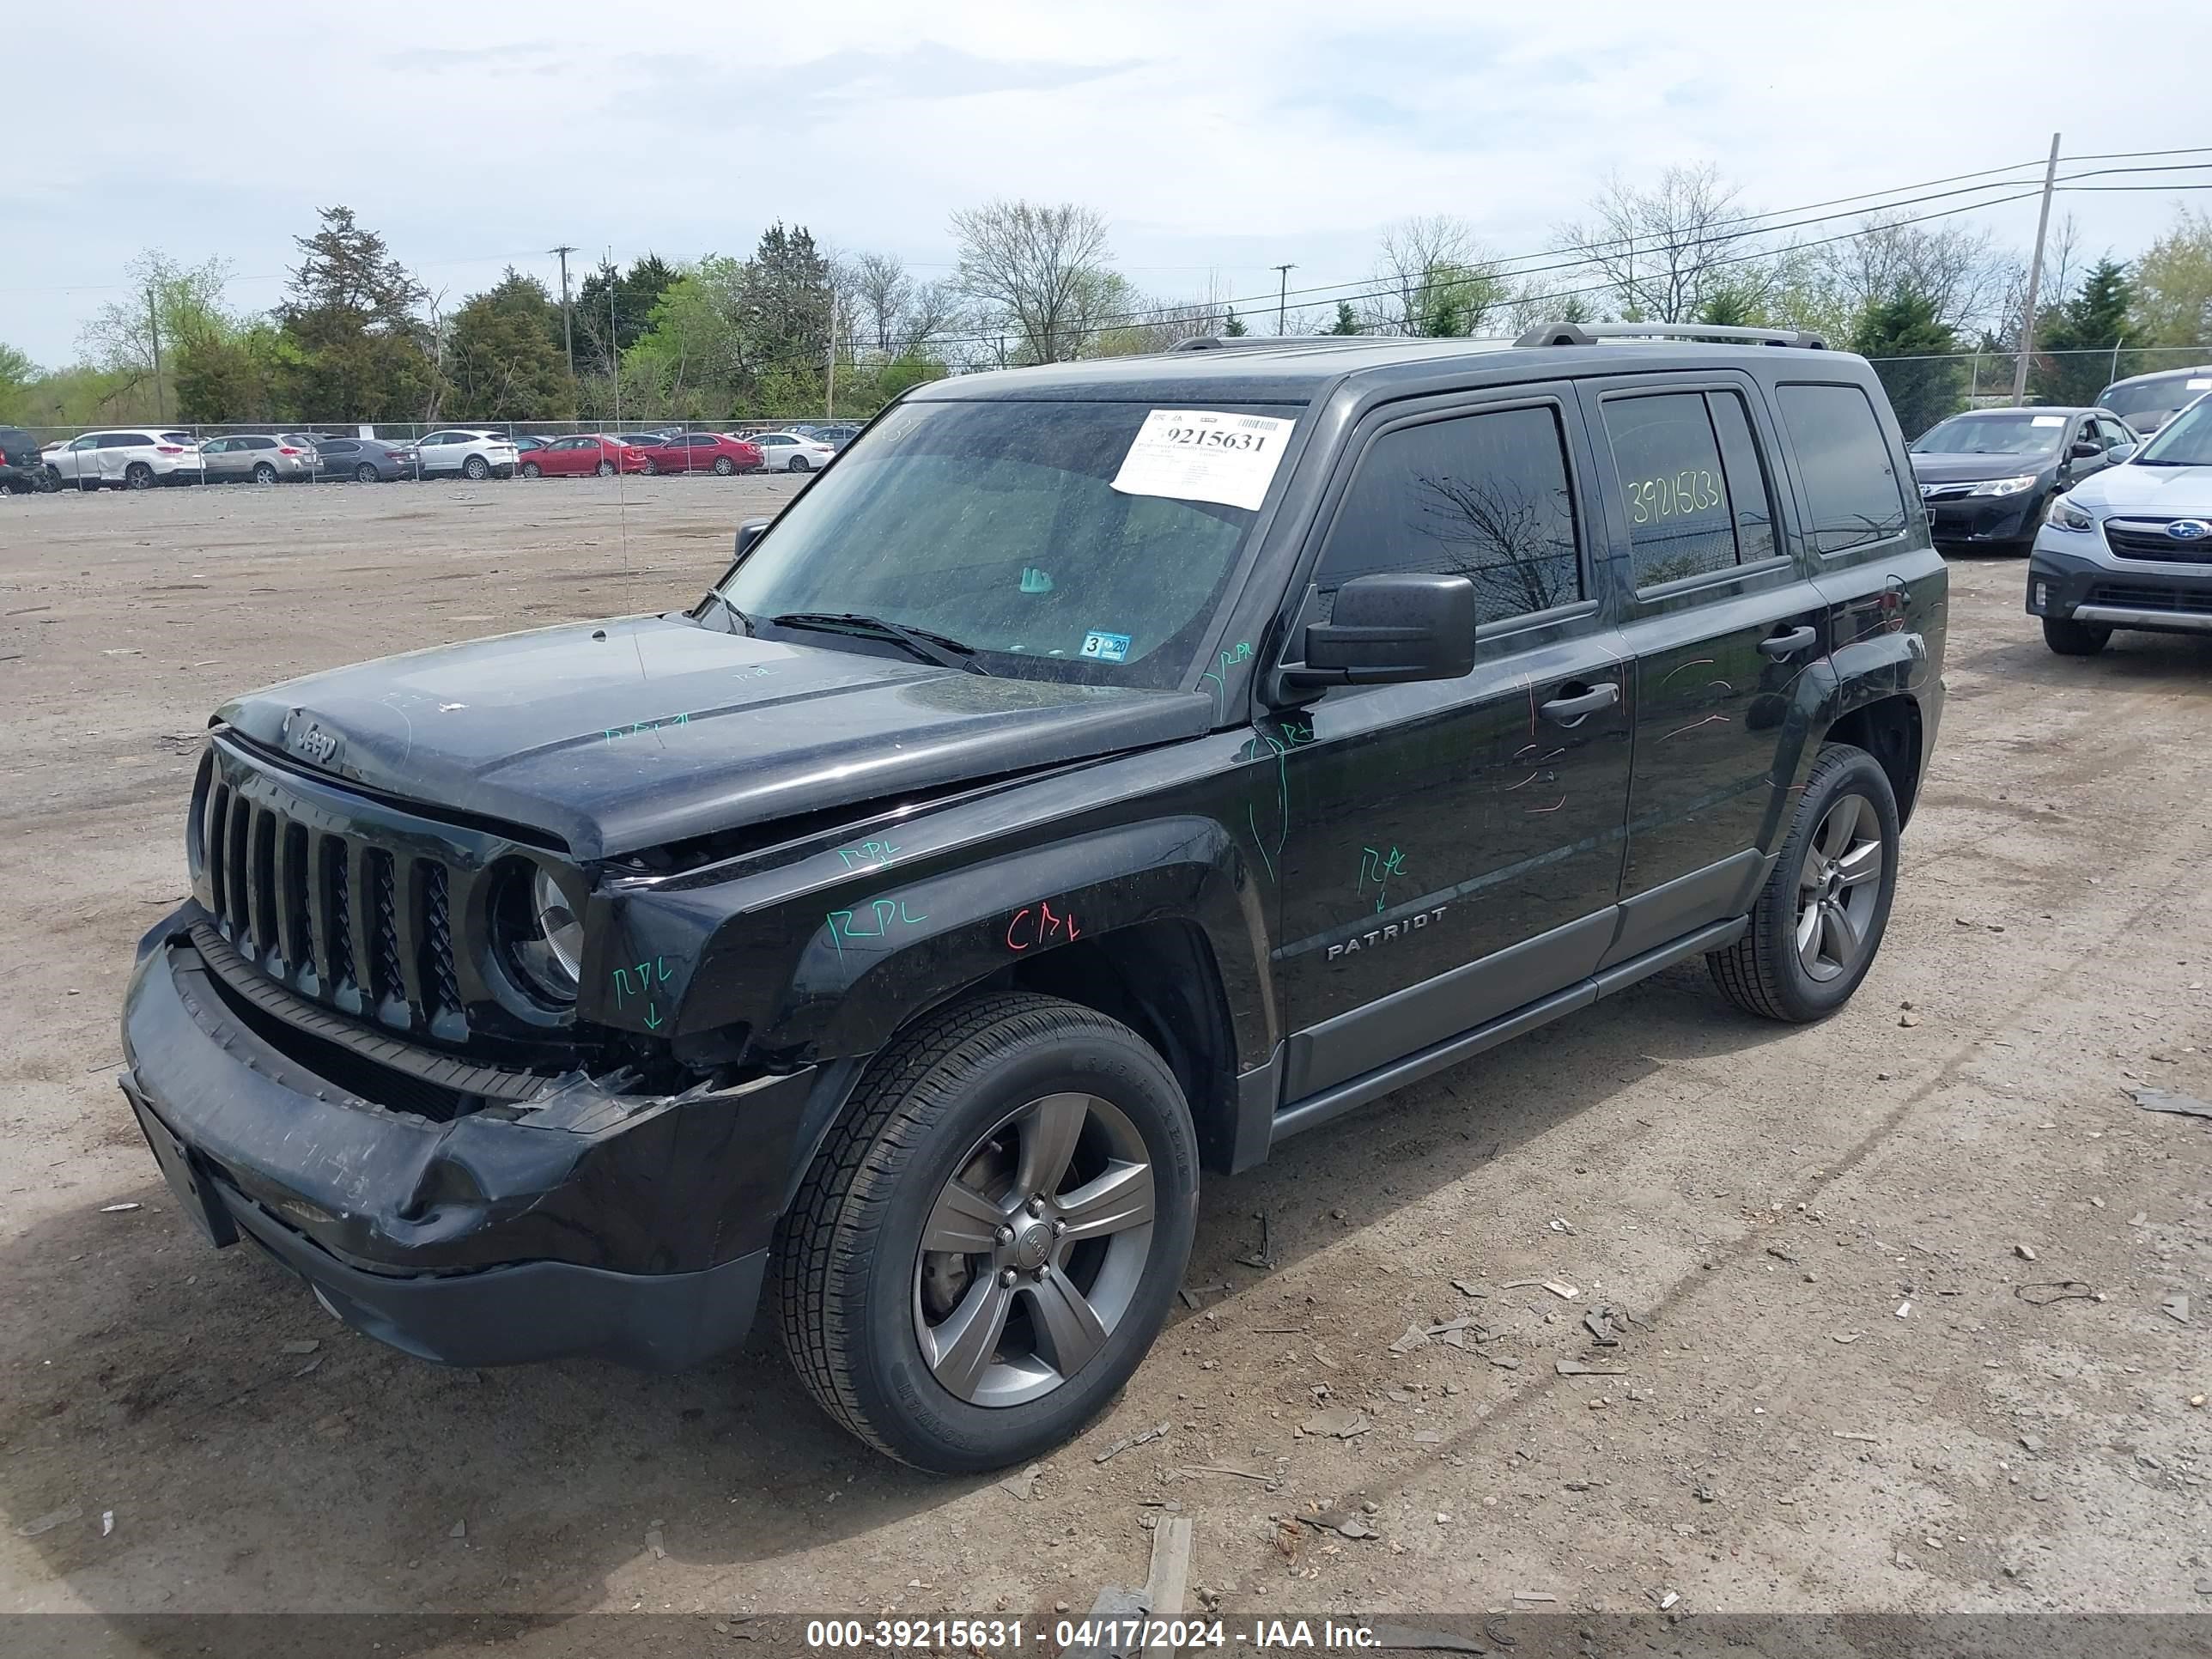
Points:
x=568, y=335
x=1282, y=293
x=154, y=322
x=614, y=345
x=2034, y=276
x=830, y=385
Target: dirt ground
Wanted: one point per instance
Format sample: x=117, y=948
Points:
x=1834, y=1383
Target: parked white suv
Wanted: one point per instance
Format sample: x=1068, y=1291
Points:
x=137, y=459
x=467, y=452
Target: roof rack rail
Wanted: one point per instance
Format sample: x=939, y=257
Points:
x=1562, y=334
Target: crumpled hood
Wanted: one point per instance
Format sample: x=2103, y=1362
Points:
x=1972, y=469
x=632, y=733
x=2164, y=492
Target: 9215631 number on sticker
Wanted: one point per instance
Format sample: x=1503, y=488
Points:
x=1205, y=455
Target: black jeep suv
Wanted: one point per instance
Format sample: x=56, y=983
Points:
x=1100, y=772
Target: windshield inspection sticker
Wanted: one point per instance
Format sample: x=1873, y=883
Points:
x=2047, y=420
x=1202, y=455
x=1106, y=647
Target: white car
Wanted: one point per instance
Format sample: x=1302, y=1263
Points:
x=790, y=451
x=467, y=453
x=137, y=457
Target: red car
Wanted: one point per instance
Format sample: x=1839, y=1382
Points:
x=705, y=452
x=569, y=458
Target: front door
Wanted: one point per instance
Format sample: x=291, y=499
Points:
x=1723, y=621
x=1448, y=851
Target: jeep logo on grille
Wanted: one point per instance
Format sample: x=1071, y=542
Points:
x=305, y=739
x=2189, y=530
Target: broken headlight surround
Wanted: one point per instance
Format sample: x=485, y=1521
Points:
x=538, y=930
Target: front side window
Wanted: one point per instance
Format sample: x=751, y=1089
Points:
x=1484, y=497
x=998, y=525
x=1851, y=490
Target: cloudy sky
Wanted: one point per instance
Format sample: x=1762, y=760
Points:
x=1218, y=141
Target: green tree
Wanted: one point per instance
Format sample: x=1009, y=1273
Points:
x=1235, y=326
x=690, y=362
x=171, y=306
x=503, y=361
x=2089, y=325
x=1348, y=321
x=2174, y=287
x=1907, y=346
x=784, y=302
x=601, y=324
x=17, y=374
x=350, y=312
x=243, y=375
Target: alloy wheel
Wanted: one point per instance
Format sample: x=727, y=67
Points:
x=1839, y=887
x=1033, y=1250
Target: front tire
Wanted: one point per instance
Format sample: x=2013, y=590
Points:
x=2070, y=638
x=476, y=468
x=1820, y=920
x=532, y=470
x=649, y=467
x=988, y=1242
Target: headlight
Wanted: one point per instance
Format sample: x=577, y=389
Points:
x=2064, y=515
x=545, y=935
x=2009, y=486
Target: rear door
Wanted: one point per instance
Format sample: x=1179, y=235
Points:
x=1722, y=620
x=119, y=449
x=1448, y=851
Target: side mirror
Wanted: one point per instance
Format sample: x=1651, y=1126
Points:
x=1390, y=628
x=2120, y=453
x=749, y=532
x=2086, y=449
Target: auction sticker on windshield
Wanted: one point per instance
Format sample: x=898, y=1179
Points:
x=1203, y=455
x=2048, y=420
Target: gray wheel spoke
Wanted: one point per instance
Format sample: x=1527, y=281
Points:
x=1068, y=1326
x=1861, y=865
x=1842, y=933
x=1120, y=1199
x=1048, y=1134
x=1835, y=836
x=1808, y=936
x=961, y=1349
x=964, y=1222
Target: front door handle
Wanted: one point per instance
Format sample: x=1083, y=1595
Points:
x=1579, y=703
x=1788, y=645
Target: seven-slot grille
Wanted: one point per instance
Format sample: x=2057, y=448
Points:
x=363, y=927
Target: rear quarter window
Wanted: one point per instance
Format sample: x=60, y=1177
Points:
x=1851, y=489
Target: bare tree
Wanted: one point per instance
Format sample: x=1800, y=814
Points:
x=1958, y=268
x=882, y=294
x=930, y=308
x=1038, y=272
x=1661, y=251
x=1438, y=278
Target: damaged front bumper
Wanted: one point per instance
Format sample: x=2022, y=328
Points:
x=587, y=1221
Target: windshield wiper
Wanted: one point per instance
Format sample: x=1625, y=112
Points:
x=921, y=642
x=722, y=599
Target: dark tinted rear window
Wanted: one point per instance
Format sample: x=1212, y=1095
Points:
x=1851, y=489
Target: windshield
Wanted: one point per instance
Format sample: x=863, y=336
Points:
x=997, y=524
x=2185, y=440
x=2015, y=432
x=2148, y=403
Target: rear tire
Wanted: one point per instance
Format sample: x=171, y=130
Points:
x=958, y=1107
x=1819, y=922
x=265, y=474
x=365, y=473
x=724, y=466
x=137, y=476
x=530, y=470
x=476, y=468
x=797, y=464
x=2070, y=638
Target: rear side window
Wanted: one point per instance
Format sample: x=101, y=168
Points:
x=124, y=440
x=1851, y=490
x=1691, y=484
x=1484, y=497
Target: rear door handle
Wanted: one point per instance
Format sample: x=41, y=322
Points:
x=1788, y=645
x=1582, y=702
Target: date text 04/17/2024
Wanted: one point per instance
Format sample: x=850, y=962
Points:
x=1116, y=1635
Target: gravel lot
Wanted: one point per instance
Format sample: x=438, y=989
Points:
x=1836, y=1389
